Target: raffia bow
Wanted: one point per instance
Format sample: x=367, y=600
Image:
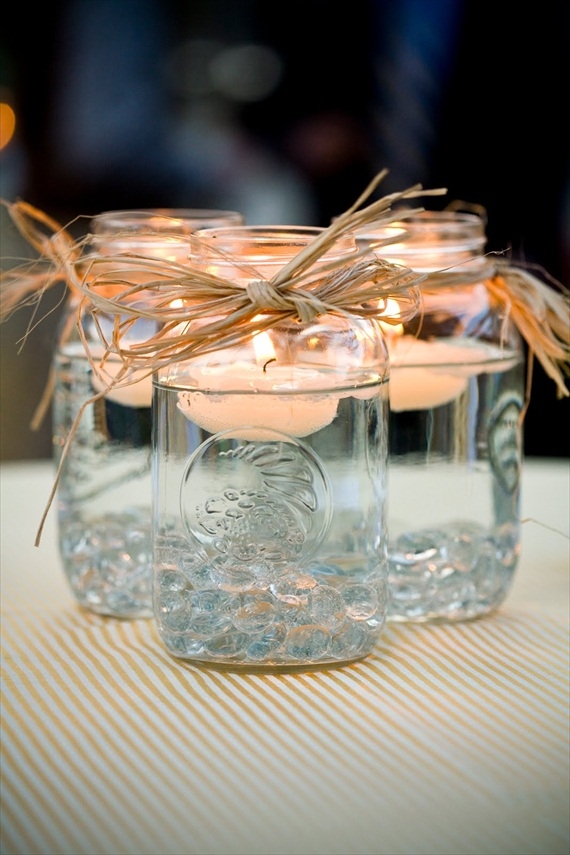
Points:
x=172, y=294
x=309, y=285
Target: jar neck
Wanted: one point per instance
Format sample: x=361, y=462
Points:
x=162, y=221
x=249, y=253
x=162, y=233
x=446, y=246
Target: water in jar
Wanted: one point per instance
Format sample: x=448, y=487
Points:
x=104, y=494
x=454, y=485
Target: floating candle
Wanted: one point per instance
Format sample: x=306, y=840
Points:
x=425, y=374
x=138, y=392
x=223, y=399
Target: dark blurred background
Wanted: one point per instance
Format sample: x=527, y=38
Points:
x=284, y=112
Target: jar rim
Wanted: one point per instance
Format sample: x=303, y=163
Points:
x=443, y=226
x=245, y=232
x=268, y=243
x=152, y=220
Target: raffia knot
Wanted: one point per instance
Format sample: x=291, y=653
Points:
x=264, y=295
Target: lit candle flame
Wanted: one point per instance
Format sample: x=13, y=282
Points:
x=264, y=350
x=391, y=309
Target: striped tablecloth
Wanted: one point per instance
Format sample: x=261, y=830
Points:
x=448, y=739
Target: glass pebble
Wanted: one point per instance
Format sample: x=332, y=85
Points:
x=256, y=615
x=351, y=640
x=308, y=642
x=468, y=573
x=361, y=601
x=267, y=643
x=327, y=607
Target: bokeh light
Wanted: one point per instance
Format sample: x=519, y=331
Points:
x=7, y=123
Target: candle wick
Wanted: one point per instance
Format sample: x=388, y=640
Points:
x=273, y=359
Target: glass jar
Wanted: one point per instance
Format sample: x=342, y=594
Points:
x=269, y=468
x=456, y=403
x=104, y=492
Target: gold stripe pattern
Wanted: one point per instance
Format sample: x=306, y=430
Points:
x=448, y=739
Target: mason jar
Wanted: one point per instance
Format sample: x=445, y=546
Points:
x=457, y=387
x=269, y=473
x=104, y=492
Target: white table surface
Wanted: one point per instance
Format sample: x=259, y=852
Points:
x=448, y=739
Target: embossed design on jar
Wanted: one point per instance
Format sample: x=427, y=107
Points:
x=265, y=503
x=504, y=440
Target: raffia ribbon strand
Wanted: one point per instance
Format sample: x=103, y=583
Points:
x=542, y=316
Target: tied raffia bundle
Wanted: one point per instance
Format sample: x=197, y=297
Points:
x=129, y=288
x=172, y=293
